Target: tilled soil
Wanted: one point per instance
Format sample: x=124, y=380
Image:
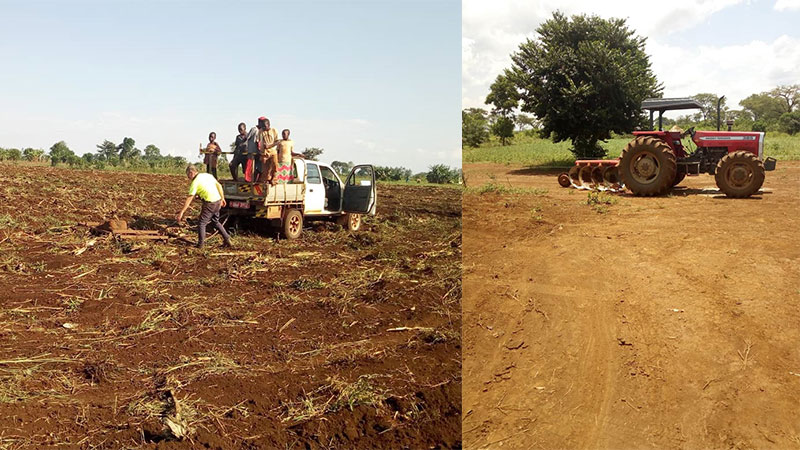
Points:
x=666, y=322
x=276, y=344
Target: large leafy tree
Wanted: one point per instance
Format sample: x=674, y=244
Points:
x=789, y=95
x=708, y=111
x=107, y=150
x=60, y=153
x=790, y=122
x=584, y=77
x=474, y=127
x=151, y=152
x=442, y=174
x=503, y=96
x=503, y=128
x=312, y=153
x=127, y=149
x=764, y=107
x=341, y=167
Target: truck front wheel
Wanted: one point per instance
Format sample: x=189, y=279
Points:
x=350, y=221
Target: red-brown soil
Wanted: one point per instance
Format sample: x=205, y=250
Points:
x=668, y=322
x=278, y=344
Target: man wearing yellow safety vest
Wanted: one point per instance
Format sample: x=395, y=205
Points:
x=208, y=189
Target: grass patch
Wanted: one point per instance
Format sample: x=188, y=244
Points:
x=534, y=151
x=600, y=201
x=6, y=221
x=495, y=188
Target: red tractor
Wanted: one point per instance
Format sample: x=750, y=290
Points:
x=655, y=161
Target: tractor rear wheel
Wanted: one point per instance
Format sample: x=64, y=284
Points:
x=647, y=166
x=679, y=177
x=739, y=174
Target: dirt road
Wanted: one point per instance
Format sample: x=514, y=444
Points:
x=277, y=344
x=667, y=322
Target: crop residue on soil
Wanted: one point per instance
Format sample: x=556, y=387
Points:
x=113, y=342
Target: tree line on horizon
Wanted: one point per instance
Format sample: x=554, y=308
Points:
x=126, y=155
x=583, y=78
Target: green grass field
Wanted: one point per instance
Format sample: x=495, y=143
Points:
x=533, y=151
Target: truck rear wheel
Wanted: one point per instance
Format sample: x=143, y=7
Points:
x=292, y=224
x=739, y=174
x=350, y=221
x=647, y=166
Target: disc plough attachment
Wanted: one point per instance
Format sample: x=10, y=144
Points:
x=601, y=175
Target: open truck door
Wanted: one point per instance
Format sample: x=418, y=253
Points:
x=360, y=194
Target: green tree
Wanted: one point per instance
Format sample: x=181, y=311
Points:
x=13, y=154
x=503, y=128
x=60, y=153
x=33, y=154
x=342, y=168
x=442, y=174
x=788, y=95
x=312, y=153
x=790, y=122
x=764, y=107
x=708, y=112
x=584, y=78
x=474, y=127
x=107, y=151
x=503, y=96
x=526, y=120
x=126, y=149
x=152, y=153
x=383, y=173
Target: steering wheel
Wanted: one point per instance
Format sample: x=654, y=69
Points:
x=690, y=131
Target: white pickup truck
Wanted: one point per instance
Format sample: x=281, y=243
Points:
x=316, y=193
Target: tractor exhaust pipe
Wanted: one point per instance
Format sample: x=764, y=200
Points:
x=719, y=102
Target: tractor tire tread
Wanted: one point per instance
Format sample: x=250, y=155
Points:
x=758, y=174
x=667, y=159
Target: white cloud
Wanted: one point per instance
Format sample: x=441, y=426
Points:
x=787, y=5
x=491, y=31
x=735, y=71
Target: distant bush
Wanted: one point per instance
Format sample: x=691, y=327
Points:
x=442, y=174
x=383, y=173
x=789, y=122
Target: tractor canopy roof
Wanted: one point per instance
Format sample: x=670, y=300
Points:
x=666, y=104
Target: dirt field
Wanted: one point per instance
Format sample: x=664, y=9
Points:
x=645, y=323
x=277, y=345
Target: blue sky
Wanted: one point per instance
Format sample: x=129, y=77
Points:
x=373, y=81
x=726, y=47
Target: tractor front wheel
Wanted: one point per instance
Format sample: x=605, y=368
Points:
x=647, y=166
x=739, y=174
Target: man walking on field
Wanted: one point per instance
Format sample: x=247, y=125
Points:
x=208, y=189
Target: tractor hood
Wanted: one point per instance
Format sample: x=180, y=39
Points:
x=749, y=141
